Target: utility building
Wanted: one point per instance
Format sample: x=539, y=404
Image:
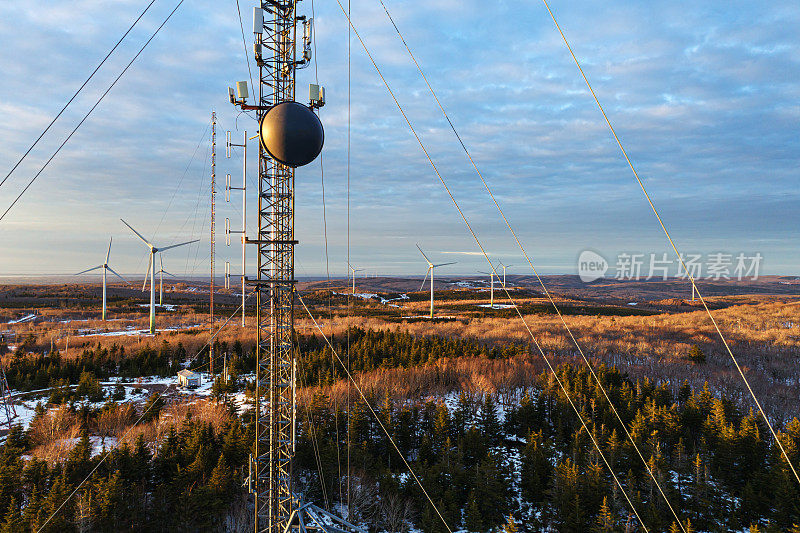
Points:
x=188, y=379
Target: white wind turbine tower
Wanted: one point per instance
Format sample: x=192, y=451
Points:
x=504, y=272
x=105, y=268
x=431, y=268
x=491, y=277
x=353, y=271
x=151, y=272
x=160, y=273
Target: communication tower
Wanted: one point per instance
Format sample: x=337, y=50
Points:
x=290, y=135
x=213, y=220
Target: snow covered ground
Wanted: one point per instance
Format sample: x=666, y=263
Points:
x=497, y=306
x=166, y=307
x=129, y=331
x=373, y=296
x=26, y=318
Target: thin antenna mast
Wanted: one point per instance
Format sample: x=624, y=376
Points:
x=213, y=221
x=243, y=188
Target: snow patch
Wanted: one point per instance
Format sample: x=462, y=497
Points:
x=26, y=318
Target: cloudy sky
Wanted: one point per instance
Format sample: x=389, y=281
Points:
x=704, y=95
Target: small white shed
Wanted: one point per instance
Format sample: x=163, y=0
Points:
x=188, y=379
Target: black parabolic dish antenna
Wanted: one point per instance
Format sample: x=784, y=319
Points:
x=291, y=134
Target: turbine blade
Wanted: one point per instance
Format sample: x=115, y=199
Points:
x=147, y=276
x=445, y=264
x=423, y=255
x=88, y=270
x=138, y=234
x=169, y=274
x=161, y=259
x=108, y=253
x=120, y=277
x=425, y=278
x=164, y=249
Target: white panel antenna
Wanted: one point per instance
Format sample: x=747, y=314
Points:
x=258, y=20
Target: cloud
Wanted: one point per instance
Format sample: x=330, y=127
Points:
x=704, y=96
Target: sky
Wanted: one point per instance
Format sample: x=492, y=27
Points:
x=705, y=96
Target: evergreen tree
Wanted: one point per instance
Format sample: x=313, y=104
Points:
x=605, y=519
x=12, y=521
x=489, y=422
x=473, y=518
x=510, y=525
x=536, y=469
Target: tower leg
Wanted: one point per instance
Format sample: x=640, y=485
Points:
x=153, y=297
x=104, y=291
x=432, y=269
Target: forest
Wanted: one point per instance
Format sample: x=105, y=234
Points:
x=520, y=462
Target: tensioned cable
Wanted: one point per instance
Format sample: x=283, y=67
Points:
x=671, y=242
x=327, y=259
x=315, y=444
x=157, y=395
x=180, y=181
x=90, y=110
x=244, y=44
x=39, y=138
x=200, y=193
x=377, y=418
x=483, y=251
x=530, y=262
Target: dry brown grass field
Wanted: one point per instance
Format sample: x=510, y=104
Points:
x=763, y=331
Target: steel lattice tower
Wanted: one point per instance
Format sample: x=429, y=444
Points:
x=213, y=221
x=277, y=508
x=275, y=412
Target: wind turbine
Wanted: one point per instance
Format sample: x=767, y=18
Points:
x=504, y=272
x=353, y=270
x=105, y=268
x=151, y=272
x=491, y=276
x=431, y=268
x=160, y=273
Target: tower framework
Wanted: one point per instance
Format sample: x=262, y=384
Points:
x=213, y=228
x=275, y=396
x=278, y=509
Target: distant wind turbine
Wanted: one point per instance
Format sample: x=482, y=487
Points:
x=504, y=272
x=491, y=277
x=431, y=268
x=151, y=272
x=105, y=268
x=353, y=271
x=160, y=273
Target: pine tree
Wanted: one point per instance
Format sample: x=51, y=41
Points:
x=696, y=355
x=605, y=519
x=12, y=521
x=489, y=423
x=510, y=525
x=536, y=469
x=152, y=407
x=473, y=519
